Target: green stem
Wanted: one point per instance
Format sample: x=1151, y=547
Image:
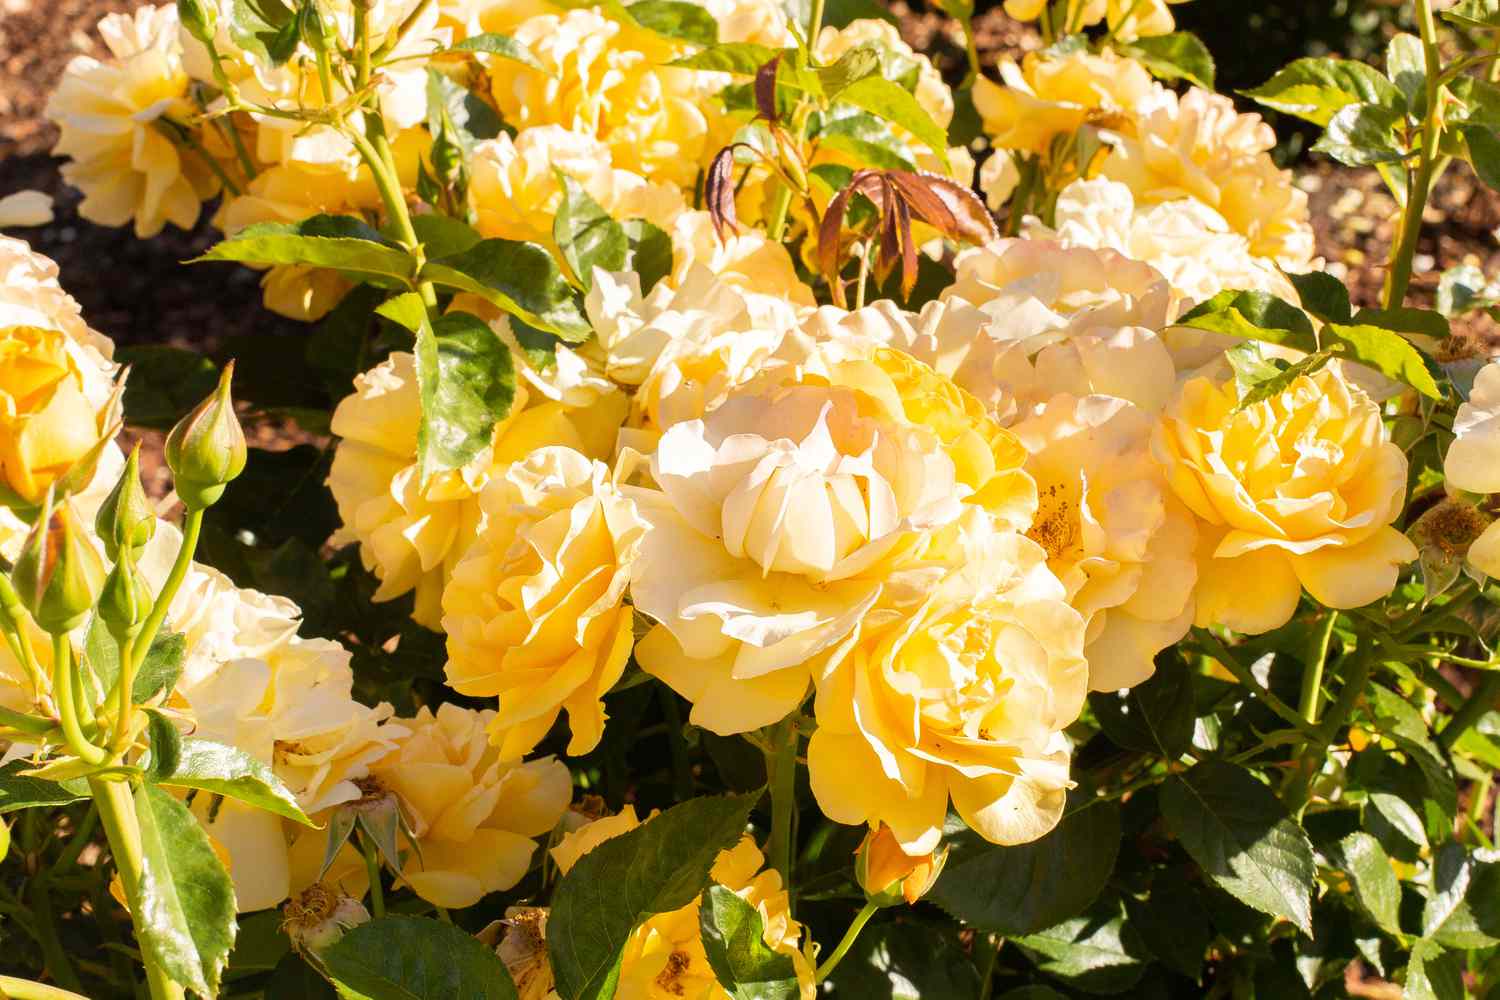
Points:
x=864, y=274
x=192, y=526
x=117, y=814
x=64, y=689
x=16, y=617
x=987, y=987
x=1221, y=653
x=80, y=839
x=376, y=153
x=1471, y=711
x=125, y=691
x=372, y=866
x=781, y=778
x=1312, y=677
x=815, y=22
x=1398, y=280
x=848, y=942
x=25, y=989
x=1356, y=676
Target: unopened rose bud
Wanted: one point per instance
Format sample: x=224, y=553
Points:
x=58, y=574
x=126, y=600
x=126, y=517
x=200, y=18
x=889, y=875
x=316, y=29
x=206, y=450
x=318, y=916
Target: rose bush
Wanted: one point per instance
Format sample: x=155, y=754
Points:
x=727, y=556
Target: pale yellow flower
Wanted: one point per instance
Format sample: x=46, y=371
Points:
x=411, y=534
x=1043, y=97
x=1198, y=146
x=1295, y=491
x=476, y=815
x=535, y=610
x=1473, y=460
x=1127, y=19
x=664, y=958
x=1121, y=543
x=959, y=697
x=747, y=259
x=876, y=456
x=115, y=120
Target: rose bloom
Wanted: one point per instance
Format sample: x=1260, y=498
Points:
x=109, y=115
x=1473, y=460
x=1199, y=146
x=475, y=814
x=516, y=193
x=871, y=457
x=957, y=694
x=1042, y=97
x=1295, y=491
x=1026, y=319
x=411, y=534
x=607, y=79
x=1121, y=543
x=1191, y=244
x=535, y=610
x=664, y=957
x=1128, y=19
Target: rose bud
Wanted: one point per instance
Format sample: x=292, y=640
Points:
x=126, y=517
x=206, y=450
x=58, y=574
x=889, y=875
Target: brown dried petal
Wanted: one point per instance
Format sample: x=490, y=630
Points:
x=765, y=89
x=718, y=192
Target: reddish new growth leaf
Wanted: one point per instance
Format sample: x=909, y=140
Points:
x=765, y=89
x=899, y=196
x=718, y=191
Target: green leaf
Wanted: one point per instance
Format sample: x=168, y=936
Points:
x=1484, y=153
x=1433, y=974
x=1173, y=922
x=1406, y=66
x=521, y=278
x=676, y=19
x=889, y=101
x=1022, y=889
x=161, y=668
x=498, y=45
x=1475, y=14
x=1243, y=838
x=294, y=979
x=650, y=255
x=854, y=65
x=660, y=866
x=1257, y=389
x=1375, y=885
x=1400, y=816
x=266, y=28
x=230, y=772
x=734, y=937
x=442, y=235
x=910, y=960
x=187, y=901
x=1153, y=717
x=335, y=241
x=1363, y=135
x=166, y=745
x=415, y=958
x=1447, y=917
x=1317, y=89
x=586, y=234
x=737, y=58
x=18, y=791
x=1254, y=316
x=1178, y=56
x=1097, y=952
x=1388, y=353
x=1323, y=295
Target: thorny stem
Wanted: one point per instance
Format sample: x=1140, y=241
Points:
x=850, y=936
x=1398, y=280
x=1312, y=677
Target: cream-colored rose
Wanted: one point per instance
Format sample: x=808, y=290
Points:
x=475, y=815
x=1198, y=146
x=116, y=119
x=747, y=259
x=535, y=611
x=1045, y=97
x=412, y=534
x=1121, y=543
x=516, y=193
x=960, y=697
x=787, y=511
x=1473, y=459
x=1295, y=491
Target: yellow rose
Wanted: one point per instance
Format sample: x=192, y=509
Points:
x=1043, y=98
x=1295, y=491
x=791, y=508
x=960, y=696
x=1473, y=459
x=748, y=259
x=664, y=958
x=1120, y=542
x=110, y=115
x=411, y=534
x=475, y=815
x=516, y=193
x=535, y=610
x=1199, y=146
